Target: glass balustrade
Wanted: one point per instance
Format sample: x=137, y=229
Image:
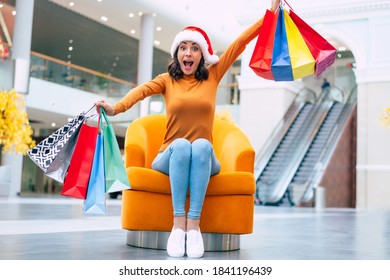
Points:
x=67, y=74
x=61, y=72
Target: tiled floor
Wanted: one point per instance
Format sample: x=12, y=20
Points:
x=55, y=228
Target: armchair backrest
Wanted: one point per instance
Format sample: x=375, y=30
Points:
x=145, y=135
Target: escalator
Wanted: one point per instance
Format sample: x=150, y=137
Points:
x=301, y=190
x=308, y=164
x=288, y=172
x=283, y=151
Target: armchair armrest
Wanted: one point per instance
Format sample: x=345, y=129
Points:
x=236, y=153
x=144, y=137
x=135, y=146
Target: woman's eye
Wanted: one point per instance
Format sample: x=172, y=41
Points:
x=195, y=49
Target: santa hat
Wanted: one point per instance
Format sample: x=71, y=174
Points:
x=197, y=35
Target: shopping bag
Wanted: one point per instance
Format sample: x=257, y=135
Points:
x=116, y=176
x=95, y=202
x=323, y=52
x=281, y=63
x=76, y=181
x=53, y=154
x=262, y=54
x=302, y=61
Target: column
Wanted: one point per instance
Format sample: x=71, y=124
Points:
x=21, y=49
x=21, y=46
x=145, y=56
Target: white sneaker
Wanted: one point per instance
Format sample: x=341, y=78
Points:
x=195, y=246
x=176, y=243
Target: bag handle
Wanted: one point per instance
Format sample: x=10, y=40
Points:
x=103, y=115
x=282, y=6
x=93, y=106
x=285, y=2
x=88, y=113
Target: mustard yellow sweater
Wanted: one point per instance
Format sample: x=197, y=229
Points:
x=190, y=104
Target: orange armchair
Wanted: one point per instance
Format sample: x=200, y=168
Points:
x=228, y=208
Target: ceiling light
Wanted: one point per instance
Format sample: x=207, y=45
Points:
x=53, y=124
x=69, y=56
x=131, y=15
x=70, y=48
x=156, y=42
x=99, y=0
x=103, y=18
x=132, y=31
x=114, y=64
x=70, y=41
x=71, y=4
x=158, y=28
x=140, y=14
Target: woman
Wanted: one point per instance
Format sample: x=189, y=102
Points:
x=186, y=154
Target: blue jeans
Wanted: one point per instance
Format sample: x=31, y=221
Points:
x=188, y=165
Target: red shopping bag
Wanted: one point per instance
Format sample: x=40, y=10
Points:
x=323, y=52
x=262, y=55
x=77, y=178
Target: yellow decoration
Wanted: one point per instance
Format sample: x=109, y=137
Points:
x=384, y=119
x=225, y=115
x=15, y=129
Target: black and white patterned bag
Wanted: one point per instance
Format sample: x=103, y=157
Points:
x=53, y=154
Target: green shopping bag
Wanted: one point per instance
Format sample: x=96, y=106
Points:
x=116, y=176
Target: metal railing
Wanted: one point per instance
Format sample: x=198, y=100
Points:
x=281, y=129
x=275, y=188
x=75, y=76
x=330, y=146
x=61, y=72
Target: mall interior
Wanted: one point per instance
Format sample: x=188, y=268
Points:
x=322, y=155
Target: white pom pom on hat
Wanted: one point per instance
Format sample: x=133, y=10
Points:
x=197, y=35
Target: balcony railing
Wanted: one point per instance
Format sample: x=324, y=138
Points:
x=75, y=76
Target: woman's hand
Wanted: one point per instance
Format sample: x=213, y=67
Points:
x=110, y=110
x=274, y=5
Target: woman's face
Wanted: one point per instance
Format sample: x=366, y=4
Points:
x=189, y=55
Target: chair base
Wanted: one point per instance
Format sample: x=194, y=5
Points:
x=213, y=242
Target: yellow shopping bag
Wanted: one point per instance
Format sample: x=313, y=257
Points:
x=302, y=61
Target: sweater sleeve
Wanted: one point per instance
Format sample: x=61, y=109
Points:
x=155, y=86
x=236, y=48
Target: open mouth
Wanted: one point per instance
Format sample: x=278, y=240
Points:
x=188, y=63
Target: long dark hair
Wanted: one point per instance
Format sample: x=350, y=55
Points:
x=174, y=70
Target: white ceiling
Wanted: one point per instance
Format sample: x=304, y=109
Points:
x=219, y=18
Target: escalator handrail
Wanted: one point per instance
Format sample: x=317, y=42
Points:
x=281, y=129
x=314, y=121
x=330, y=145
x=265, y=154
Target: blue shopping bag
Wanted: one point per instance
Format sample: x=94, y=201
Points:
x=281, y=62
x=95, y=202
